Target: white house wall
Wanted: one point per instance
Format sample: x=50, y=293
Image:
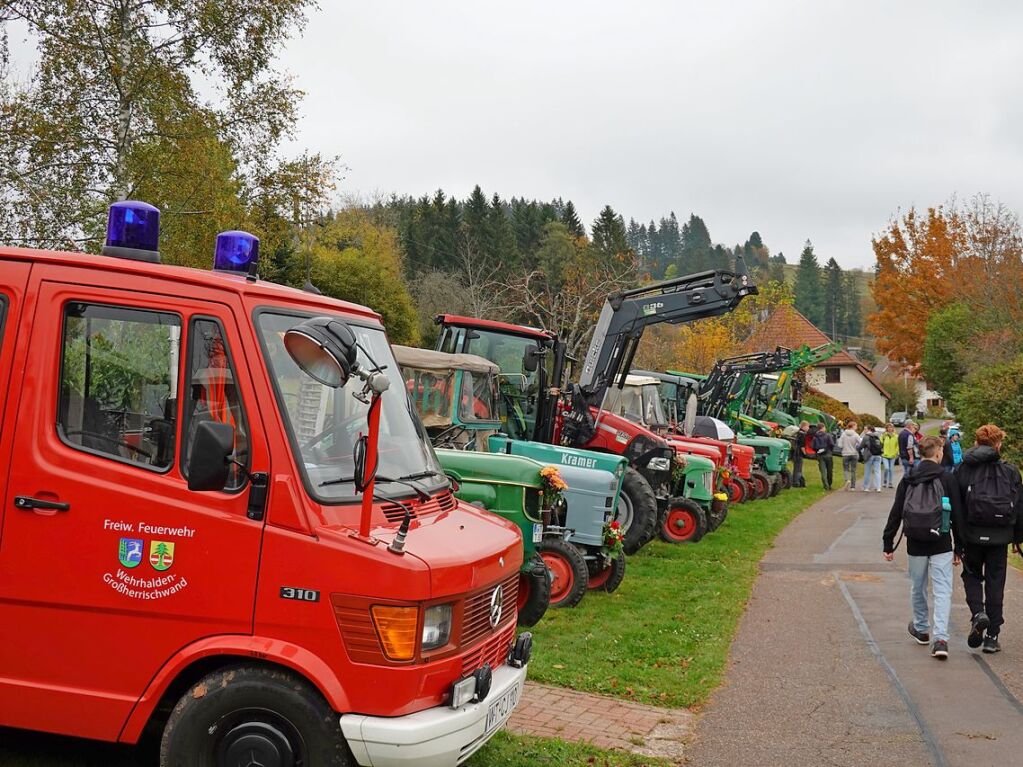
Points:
x=861, y=395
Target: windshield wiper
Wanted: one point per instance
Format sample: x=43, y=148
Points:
x=423, y=475
x=422, y=494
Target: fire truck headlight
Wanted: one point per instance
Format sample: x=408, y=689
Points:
x=436, y=627
x=463, y=691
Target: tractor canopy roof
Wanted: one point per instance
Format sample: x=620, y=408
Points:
x=427, y=359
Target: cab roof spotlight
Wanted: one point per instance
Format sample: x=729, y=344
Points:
x=133, y=231
x=236, y=251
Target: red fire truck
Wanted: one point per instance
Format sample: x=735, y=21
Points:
x=222, y=524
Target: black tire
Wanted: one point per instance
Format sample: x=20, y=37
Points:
x=786, y=479
x=717, y=515
x=761, y=484
x=637, y=511
x=534, y=592
x=607, y=578
x=684, y=521
x=251, y=714
x=569, y=575
x=775, y=484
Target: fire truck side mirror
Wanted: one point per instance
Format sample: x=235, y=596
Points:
x=325, y=349
x=208, y=464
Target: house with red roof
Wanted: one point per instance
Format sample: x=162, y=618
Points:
x=842, y=376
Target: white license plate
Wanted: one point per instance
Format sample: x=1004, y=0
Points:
x=537, y=532
x=501, y=708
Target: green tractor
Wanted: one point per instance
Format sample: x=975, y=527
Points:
x=456, y=398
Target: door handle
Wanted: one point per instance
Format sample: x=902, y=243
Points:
x=29, y=504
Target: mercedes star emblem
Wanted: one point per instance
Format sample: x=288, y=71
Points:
x=496, y=606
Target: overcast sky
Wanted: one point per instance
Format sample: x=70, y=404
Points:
x=798, y=119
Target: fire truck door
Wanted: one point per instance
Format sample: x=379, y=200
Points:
x=109, y=565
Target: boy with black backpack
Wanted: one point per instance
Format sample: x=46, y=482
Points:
x=927, y=506
x=989, y=522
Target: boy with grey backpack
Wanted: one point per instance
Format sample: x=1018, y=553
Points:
x=927, y=507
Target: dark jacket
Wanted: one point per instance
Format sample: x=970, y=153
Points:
x=925, y=472
x=976, y=460
x=907, y=441
x=823, y=442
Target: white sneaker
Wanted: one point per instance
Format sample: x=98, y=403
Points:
x=879, y=490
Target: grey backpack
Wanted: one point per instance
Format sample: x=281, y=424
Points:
x=922, y=515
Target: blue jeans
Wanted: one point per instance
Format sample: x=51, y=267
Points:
x=872, y=473
x=939, y=566
x=889, y=471
x=849, y=463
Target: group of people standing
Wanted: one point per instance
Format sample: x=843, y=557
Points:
x=879, y=451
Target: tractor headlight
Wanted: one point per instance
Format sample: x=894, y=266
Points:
x=436, y=626
x=659, y=464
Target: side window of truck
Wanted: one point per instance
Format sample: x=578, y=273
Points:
x=3, y=315
x=212, y=393
x=118, y=381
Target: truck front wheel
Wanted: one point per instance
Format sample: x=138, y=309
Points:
x=637, y=511
x=534, y=592
x=245, y=715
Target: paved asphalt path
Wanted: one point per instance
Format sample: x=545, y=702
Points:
x=823, y=671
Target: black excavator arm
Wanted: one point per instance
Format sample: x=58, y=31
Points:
x=627, y=314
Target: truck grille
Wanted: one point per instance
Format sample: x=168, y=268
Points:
x=476, y=617
x=493, y=651
x=395, y=512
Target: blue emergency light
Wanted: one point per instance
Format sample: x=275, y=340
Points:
x=133, y=231
x=236, y=252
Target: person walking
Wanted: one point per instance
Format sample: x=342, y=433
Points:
x=990, y=521
x=953, y=449
x=824, y=448
x=927, y=506
x=798, y=453
x=870, y=449
x=889, y=452
x=849, y=444
x=908, y=450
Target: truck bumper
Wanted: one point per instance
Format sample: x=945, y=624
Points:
x=438, y=737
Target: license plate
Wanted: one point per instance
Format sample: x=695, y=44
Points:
x=537, y=532
x=501, y=708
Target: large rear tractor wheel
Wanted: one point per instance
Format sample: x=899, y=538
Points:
x=569, y=575
x=637, y=511
x=761, y=484
x=683, y=522
x=606, y=577
x=534, y=592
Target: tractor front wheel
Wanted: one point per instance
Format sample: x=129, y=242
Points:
x=761, y=484
x=775, y=480
x=607, y=577
x=736, y=489
x=786, y=479
x=534, y=592
x=683, y=522
x=569, y=576
x=637, y=511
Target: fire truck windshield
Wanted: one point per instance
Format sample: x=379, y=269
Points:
x=325, y=423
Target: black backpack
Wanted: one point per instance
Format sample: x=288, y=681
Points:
x=923, y=518
x=874, y=444
x=990, y=498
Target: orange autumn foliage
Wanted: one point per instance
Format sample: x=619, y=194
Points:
x=917, y=260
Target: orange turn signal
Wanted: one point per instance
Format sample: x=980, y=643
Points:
x=396, y=627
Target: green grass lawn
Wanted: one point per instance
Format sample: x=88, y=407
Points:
x=662, y=638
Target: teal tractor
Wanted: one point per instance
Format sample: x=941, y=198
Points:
x=456, y=396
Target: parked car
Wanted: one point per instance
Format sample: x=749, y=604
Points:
x=899, y=418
